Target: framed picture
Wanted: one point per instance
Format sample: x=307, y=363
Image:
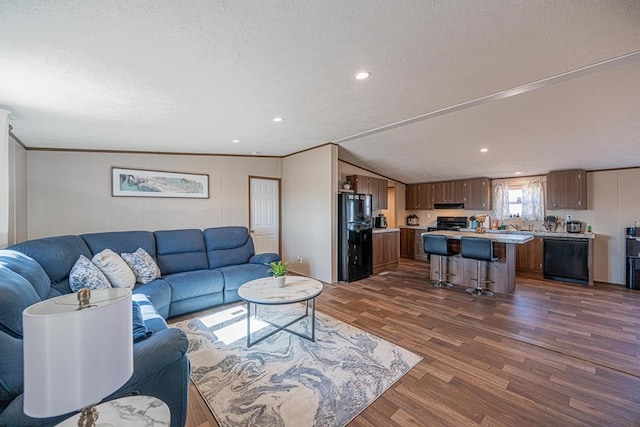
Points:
x=149, y=183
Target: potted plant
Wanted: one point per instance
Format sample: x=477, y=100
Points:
x=347, y=185
x=279, y=271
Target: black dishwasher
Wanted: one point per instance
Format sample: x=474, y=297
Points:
x=567, y=260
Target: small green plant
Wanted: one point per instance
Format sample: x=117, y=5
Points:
x=278, y=268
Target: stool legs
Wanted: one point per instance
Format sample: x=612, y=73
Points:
x=440, y=283
x=478, y=290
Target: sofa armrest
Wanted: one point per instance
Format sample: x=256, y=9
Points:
x=264, y=258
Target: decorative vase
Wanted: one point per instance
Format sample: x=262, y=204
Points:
x=280, y=281
x=346, y=187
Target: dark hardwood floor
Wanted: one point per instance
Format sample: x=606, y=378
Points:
x=549, y=354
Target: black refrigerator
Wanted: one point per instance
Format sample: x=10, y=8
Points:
x=355, y=237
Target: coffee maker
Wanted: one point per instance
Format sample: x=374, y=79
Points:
x=380, y=221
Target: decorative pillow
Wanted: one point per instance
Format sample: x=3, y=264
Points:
x=142, y=265
x=116, y=270
x=140, y=330
x=85, y=274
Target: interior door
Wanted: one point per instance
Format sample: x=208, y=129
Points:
x=264, y=216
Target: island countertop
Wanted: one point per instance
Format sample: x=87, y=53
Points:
x=495, y=237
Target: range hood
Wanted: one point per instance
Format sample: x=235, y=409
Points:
x=448, y=205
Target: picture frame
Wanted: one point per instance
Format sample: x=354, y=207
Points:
x=154, y=183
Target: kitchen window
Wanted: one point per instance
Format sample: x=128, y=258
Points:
x=515, y=202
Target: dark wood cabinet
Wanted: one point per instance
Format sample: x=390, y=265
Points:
x=377, y=187
x=425, y=196
x=567, y=189
x=412, y=196
x=449, y=191
x=386, y=249
x=529, y=256
x=474, y=193
x=477, y=194
x=407, y=242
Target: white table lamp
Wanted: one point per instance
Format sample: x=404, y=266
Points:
x=76, y=351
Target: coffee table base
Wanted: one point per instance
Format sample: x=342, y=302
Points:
x=279, y=328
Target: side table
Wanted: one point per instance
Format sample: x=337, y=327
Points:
x=131, y=411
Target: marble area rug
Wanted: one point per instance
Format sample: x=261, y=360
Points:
x=287, y=380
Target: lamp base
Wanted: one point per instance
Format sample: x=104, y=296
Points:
x=88, y=416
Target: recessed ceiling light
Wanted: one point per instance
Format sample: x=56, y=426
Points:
x=278, y=119
x=235, y=141
x=518, y=173
x=361, y=75
x=484, y=150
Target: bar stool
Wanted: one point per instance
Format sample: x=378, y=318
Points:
x=481, y=250
x=436, y=244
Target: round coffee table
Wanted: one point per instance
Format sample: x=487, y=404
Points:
x=264, y=291
x=128, y=411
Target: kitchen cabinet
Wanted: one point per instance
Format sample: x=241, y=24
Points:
x=418, y=196
x=386, y=249
x=449, y=191
x=412, y=197
x=377, y=187
x=477, y=194
x=567, y=189
x=529, y=256
x=407, y=242
x=425, y=196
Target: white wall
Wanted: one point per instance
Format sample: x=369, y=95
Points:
x=17, y=192
x=70, y=192
x=309, y=198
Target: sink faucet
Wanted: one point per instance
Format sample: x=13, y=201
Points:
x=517, y=227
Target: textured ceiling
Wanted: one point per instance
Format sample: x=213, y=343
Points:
x=190, y=76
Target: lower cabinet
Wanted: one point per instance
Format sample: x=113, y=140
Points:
x=386, y=250
x=406, y=242
x=529, y=256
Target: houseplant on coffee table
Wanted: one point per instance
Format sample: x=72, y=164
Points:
x=279, y=270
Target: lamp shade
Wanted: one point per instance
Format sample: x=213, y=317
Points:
x=76, y=357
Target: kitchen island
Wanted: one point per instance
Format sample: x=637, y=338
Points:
x=501, y=272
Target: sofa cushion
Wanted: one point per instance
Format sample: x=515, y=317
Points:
x=190, y=284
x=17, y=294
x=29, y=269
x=116, y=270
x=85, y=274
x=140, y=330
x=228, y=246
x=158, y=293
x=56, y=255
x=142, y=265
x=11, y=369
x=153, y=321
x=237, y=275
x=121, y=241
x=180, y=250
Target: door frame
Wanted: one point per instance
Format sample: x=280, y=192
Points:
x=279, y=181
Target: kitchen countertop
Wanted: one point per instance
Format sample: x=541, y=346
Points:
x=533, y=233
x=385, y=230
x=538, y=233
x=496, y=237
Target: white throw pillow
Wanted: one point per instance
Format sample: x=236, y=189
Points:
x=142, y=265
x=85, y=274
x=116, y=270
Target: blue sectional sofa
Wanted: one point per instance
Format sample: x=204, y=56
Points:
x=200, y=269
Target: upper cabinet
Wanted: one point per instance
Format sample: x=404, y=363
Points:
x=418, y=196
x=474, y=193
x=567, y=189
x=448, y=192
x=377, y=187
x=478, y=194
